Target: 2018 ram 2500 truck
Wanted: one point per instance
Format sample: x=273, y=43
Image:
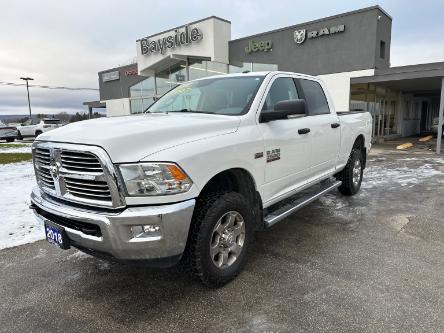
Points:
x=209, y=163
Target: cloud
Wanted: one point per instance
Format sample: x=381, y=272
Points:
x=420, y=52
x=67, y=42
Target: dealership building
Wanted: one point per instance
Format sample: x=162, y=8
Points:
x=350, y=52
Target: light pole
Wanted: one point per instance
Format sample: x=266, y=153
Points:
x=27, y=89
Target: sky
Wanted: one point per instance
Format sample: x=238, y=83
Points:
x=65, y=43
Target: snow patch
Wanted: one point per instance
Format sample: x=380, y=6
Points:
x=438, y=160
x=18, y=225
x=78, y=255
x=13, y=149
x=376, y=176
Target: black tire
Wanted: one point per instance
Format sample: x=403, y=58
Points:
x=10, y=140
x=19, y=136
x=348, y=186
x=208, y=212
x=37, y=133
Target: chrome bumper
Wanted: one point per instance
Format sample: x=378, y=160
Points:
x=116, y=239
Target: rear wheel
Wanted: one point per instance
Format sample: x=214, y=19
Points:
x=351, y=176
x=19, y=136
x=10, y=140
x=37, y=133
x=220, y=236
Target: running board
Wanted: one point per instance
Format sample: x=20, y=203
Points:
x=294, y=203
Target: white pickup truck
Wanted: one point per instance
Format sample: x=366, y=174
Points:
x=209, y=163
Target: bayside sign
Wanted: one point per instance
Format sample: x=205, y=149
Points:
x=301, y=35
x=176, y=39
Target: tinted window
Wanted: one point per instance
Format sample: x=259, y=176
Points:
x=51, y=121
x=314, y=97
x=382, y=50
x=282, y=89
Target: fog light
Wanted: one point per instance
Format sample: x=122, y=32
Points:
x=149, y=230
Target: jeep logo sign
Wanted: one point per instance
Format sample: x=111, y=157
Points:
x=176, y=39
x=253, y=46
x=301, y=35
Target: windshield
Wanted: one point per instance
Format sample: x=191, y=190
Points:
x=224, y=95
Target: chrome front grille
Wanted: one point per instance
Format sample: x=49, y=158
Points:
x=43, y=175
x=76, y=173
x=88, y=189
x=82, y=162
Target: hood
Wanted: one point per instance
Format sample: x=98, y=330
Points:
x=131, y=138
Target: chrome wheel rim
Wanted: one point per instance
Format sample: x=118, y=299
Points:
x=227, y=239
x=356, y=172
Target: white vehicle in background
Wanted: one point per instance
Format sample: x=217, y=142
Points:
x=31, y=128
x=8, y=133
x=435, y=126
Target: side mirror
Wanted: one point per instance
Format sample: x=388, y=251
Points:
x=283, y=109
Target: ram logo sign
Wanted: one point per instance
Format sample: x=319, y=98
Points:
x=301, y=35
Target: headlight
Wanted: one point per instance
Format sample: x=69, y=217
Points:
x=145, y=179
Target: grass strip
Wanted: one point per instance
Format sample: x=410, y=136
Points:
x=13, y=145
x=6, y=158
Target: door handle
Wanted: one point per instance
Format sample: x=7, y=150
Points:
x=303, y=130
x=335, y=125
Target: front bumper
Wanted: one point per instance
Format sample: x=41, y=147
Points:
x=113, y=237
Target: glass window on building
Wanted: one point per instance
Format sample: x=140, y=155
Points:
x=216, y=68
x=141, y=95
x=239, y=68
x=143, y=88
x=178, y=73
x=139, y=105
x=200, y=69
x=264, y=67
x=197, y=69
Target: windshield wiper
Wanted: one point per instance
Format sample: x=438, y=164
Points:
x=191, y=111
x=182, y=110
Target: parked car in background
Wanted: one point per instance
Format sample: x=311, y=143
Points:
x=30, y=128
x=435, y=126
x=8, y=133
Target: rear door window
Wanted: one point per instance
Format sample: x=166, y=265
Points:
x=314, y=97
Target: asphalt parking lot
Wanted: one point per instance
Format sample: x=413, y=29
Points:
x=372, y=263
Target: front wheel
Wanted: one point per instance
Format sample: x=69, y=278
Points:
x=351, y=176
x=10, y=140
x=37, y=133
x=220, y=236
